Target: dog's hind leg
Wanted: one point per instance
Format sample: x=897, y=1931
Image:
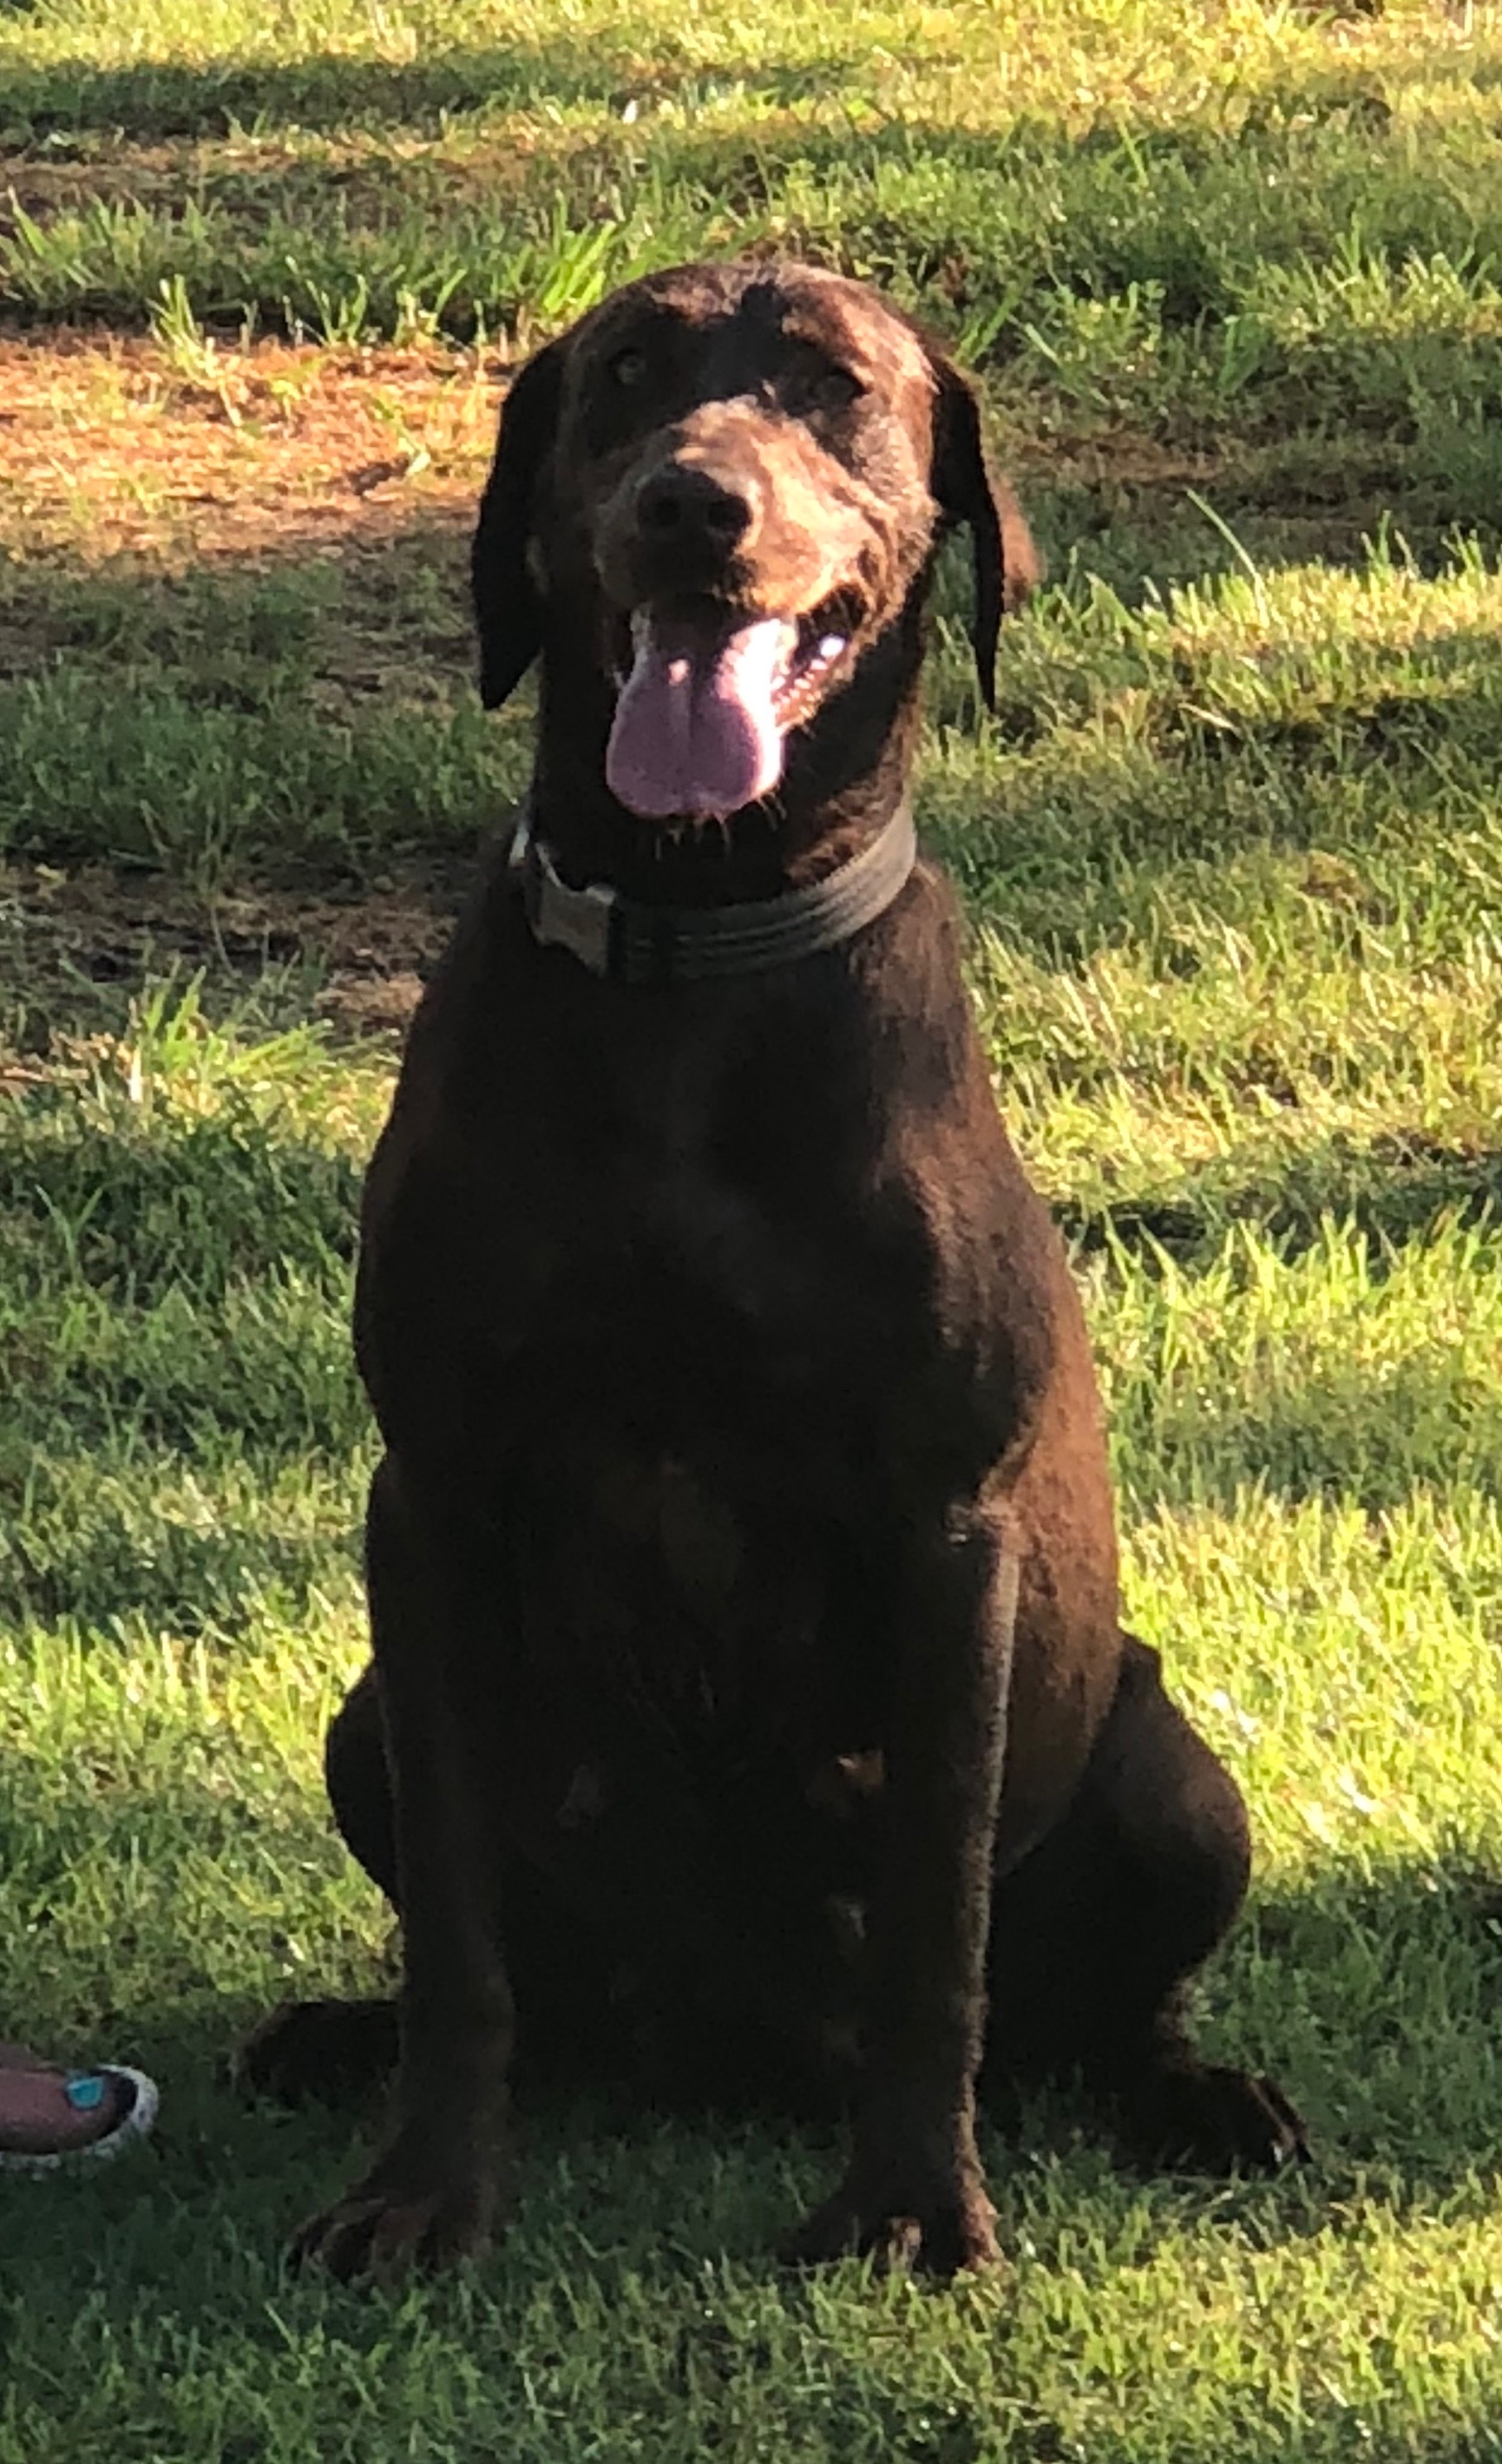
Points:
x=358, y=1782
x=1098, y=1930
x=333, y=2051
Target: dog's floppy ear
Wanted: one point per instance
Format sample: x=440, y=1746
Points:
x=1007, y=566
x=508, y=605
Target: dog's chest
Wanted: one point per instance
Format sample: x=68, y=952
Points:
x=694, y=1592
x=699, y=1374
x=690, y=1224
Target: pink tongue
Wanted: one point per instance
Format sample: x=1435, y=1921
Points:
x=696, y=729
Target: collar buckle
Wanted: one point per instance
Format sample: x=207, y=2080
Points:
x=580, y=921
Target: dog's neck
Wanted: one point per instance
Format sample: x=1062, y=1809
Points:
x=847, y=774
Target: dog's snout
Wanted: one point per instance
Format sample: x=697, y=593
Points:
x=681, y=504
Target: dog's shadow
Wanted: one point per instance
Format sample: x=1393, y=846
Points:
x=1379, y=1992
x=1373, y=1995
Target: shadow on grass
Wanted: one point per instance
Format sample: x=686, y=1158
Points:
x=177, y=1291
x=165, y=98
x=1395, y=1188
x=272, y=716
x=111, y=1564
x=1375, y=1999
x=153, y=101
x=1358, y=1436
x=136, y=1209
x=1362, y=1432
x=252, y=719
x=998, y=230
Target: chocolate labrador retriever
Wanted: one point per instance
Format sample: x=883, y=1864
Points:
x=749, y=1706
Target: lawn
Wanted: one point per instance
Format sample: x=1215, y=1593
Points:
x=1232, y=278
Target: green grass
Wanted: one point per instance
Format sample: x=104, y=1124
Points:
x=1129, y=213
x=1232, y=284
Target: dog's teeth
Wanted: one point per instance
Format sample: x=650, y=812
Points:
x=831, y=647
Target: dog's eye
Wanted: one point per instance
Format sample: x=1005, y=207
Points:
x=628, y=367
x=835, y=389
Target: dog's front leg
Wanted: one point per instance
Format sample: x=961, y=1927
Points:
x=436, y=2193
x=914, y=2189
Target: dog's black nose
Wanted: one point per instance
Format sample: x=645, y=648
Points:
x=682, y=505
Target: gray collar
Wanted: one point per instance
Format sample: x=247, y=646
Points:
x=637, y=944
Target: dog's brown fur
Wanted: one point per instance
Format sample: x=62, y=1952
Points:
x=749, y=1701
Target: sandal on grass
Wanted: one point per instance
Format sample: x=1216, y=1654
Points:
x=50, y=2117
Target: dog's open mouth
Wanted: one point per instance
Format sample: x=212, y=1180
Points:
x=708, y=701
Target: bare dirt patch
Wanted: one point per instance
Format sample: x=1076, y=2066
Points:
x=120, y=446
x=72, y=943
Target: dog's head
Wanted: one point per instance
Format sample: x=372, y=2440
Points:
x=722, y=490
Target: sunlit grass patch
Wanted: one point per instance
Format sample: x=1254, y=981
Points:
x=1192, y=228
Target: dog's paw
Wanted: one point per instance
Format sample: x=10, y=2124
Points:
x=385, y=2230
x=946, y=2228
x=1213, y=2120
x=327, y=2052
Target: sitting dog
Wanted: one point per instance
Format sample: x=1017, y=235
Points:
x=750, y=1709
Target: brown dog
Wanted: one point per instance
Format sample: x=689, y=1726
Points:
x=750, y=1705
